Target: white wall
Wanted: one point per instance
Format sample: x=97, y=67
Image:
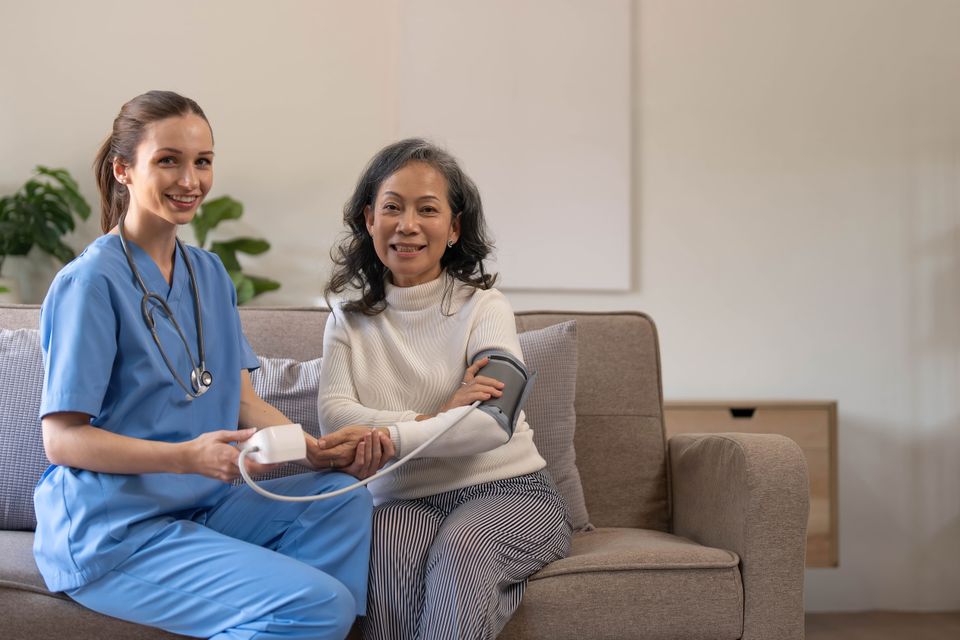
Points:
x=300, y=95
x=796, y=205
x=514, y=91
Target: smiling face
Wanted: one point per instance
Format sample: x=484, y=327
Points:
x=411, y=222
x=172, y=169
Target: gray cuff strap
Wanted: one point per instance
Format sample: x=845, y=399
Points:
x=506, y=368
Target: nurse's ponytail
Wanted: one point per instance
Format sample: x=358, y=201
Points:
x=113, y=195
x=122, y=143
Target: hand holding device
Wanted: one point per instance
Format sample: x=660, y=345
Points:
x=212, y=454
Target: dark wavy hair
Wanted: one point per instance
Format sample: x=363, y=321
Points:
x=122, y=143
x=357, y=266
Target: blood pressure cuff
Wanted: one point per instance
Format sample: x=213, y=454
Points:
x=517, y=381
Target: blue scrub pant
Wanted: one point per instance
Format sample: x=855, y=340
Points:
x=250, y=567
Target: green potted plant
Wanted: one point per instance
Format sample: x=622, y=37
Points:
x=39, y=214
x=211, y=214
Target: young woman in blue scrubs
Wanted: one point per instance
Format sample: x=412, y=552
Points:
x=136, y=517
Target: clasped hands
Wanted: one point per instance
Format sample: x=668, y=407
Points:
x=358, y=450
x=361, y=451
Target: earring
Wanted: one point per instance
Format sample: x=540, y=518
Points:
x=450, y=244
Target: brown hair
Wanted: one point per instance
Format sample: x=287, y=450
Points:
x=123, y=141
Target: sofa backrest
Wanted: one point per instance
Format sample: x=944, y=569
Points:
x=620, y=445
x=619, y=439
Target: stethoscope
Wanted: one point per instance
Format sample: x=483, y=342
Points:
x=200, y=378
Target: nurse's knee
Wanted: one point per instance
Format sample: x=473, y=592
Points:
x=353, y=509
x=329, y=606
x=364, y=500
x=338, y=480
x=311, y=484
x=359, y=498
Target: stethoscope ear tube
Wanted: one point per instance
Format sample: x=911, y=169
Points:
x=200, y=378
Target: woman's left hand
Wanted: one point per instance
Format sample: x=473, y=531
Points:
x=374, y=450
x=473, y=388
x=339, y=450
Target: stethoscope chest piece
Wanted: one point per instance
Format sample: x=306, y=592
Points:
x=202, y=380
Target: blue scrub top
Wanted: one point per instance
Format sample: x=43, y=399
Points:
x=100, y=359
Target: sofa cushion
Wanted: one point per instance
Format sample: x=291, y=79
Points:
x=621, y=449
x=17, y=568
x=30, y=611
x=659, y=586
x=552, y=353
x=21, y=454
x=291, y=386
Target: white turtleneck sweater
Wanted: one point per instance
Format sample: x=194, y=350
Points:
x=384, y=370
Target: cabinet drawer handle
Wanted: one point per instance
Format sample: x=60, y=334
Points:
x=742, y=413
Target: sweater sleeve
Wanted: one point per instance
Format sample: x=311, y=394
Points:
x=337, y=404
x=493, y=327
x=476, y=432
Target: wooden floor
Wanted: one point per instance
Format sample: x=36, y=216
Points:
x=883, y=625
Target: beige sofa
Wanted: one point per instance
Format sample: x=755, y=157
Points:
x=701, y=537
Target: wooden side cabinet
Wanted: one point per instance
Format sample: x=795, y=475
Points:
x=811, y=424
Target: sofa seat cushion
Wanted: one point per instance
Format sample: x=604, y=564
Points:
x=17, y=568
x=33, y=612
x=633, y=583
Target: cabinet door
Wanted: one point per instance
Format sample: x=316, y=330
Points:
x=812, y=425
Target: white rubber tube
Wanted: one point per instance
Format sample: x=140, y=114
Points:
x=332, y=494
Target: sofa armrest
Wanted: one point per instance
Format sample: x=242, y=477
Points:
x=748, y=493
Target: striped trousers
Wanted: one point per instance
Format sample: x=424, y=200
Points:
x=455, y=565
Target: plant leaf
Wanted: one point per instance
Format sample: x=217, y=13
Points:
x=62, y=252
x=69, y=190
x=60, y=175
x=251, y=246
x=40, y=213
x=244, y=286
x=212, y=213
x=227, y=256
x=262, y=285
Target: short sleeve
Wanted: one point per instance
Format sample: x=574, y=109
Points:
x=248, y=359
x=78, y=332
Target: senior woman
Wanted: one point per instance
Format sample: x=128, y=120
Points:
x=456, y=532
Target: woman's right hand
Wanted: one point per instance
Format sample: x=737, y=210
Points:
x=373, y=451
x=474, y=387
x=340, y=450
x=212, y=455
